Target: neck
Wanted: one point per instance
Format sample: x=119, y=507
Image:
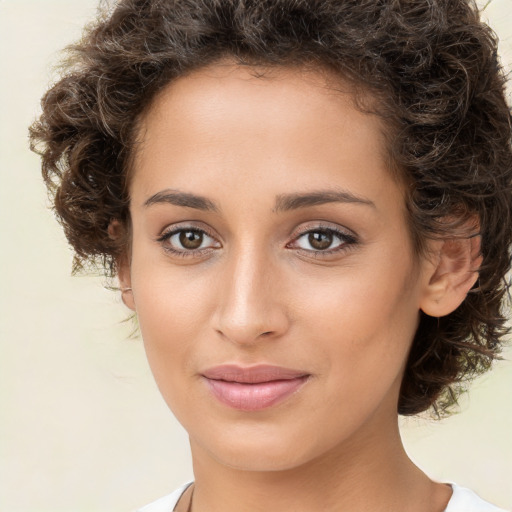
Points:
x=372, y=472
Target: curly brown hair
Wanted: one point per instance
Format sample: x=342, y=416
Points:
x=432, y=66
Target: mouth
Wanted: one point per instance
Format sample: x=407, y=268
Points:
x=253, y=388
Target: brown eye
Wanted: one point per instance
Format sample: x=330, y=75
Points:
x=188, y=242
x=324, y=241
x=320, y=240
x=191, y=239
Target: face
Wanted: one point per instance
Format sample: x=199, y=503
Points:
x=272, y=270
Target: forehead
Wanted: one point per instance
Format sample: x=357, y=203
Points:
x=265, y=80
x=225, y=109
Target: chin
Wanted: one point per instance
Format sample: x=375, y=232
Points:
x=255, y=460
x=258, y=452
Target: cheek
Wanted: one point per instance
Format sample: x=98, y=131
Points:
x=169, y=298
x=365, y=320
x=172, y=312
x=362, y=303
x=360, y=333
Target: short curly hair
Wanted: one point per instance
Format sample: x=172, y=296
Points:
x=431, y=65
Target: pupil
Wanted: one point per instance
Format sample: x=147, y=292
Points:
x=191, y=239
x=320, y=240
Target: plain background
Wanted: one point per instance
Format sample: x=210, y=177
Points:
x=82, y=426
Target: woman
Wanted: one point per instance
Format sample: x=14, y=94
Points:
x=307, y=205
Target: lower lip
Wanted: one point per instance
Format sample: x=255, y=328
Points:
x=254, y=397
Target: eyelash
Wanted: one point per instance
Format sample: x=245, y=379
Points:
x=346, y=241
x=184, y=253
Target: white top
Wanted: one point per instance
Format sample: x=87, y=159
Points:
x=462, y=500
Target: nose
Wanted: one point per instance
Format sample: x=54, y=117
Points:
x=250, y=303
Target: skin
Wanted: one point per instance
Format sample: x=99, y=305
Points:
x=259, y=291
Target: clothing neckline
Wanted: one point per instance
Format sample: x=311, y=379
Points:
x=462, y=500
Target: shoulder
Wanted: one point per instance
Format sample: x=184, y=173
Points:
x=465, y=500
x=166, y=503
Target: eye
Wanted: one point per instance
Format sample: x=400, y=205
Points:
x=318, y=240
x=187, y=241
x=323, y=240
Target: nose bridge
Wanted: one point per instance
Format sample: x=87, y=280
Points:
x=249, y=305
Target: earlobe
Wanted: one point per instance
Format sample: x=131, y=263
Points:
x=123, y=268
x=125, y=286
x=453, y=270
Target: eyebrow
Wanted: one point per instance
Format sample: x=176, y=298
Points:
x=287, y=202
x=182, y=199
x=284, y=202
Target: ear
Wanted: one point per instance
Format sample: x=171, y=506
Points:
x=451, y=273
x=115, y=231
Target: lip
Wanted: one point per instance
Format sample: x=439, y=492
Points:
x=253, y=388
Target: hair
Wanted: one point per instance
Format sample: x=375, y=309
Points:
x=431, y=65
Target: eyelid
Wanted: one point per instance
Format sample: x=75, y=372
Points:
x=324, y=226
x=184, y=225
x=347, y=237
x=167, y=233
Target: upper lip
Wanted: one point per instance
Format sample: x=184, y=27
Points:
x=252, y=374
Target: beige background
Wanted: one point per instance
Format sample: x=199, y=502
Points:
x=82, y=426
